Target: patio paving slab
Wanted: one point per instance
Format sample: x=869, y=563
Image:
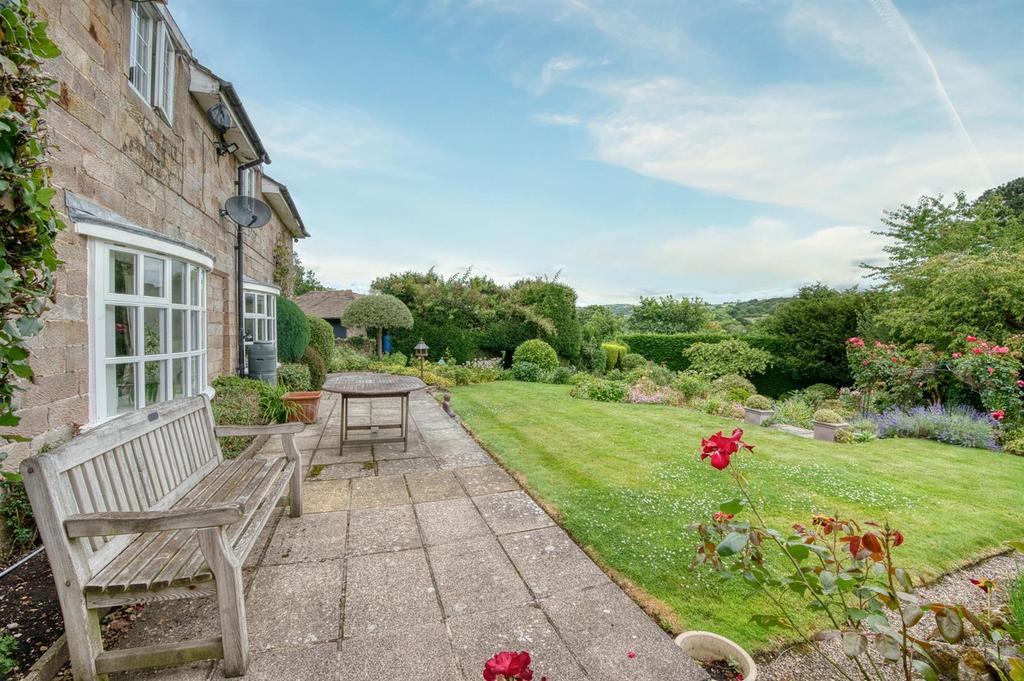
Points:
x=433, y=486
x=388, y=592
x=417, y=652
x=403, y=466
x=313, y=537
x=306, y=663
x=509, y=512
x=550, y=562
x=377, y=530
x=345, y=471
x=476, y=638
x=377, y=492
x=451, y=520
x=292, y=605
x=325, y=496
x=602, y=625
x=481, y=480
x=475, y=575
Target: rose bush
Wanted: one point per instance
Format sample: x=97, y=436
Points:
x=992, y=371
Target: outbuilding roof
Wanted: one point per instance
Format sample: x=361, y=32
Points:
x=326, y=304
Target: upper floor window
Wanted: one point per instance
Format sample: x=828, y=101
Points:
x=153, y=62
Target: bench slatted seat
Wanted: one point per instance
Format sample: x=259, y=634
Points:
x=144, y=508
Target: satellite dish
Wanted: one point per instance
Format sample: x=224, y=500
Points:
x=247, y=211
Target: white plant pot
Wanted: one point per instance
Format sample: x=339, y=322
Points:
x=826, y=432
x=704, y=646
x=756, y=417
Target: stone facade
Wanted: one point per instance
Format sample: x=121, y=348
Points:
x=111, y=148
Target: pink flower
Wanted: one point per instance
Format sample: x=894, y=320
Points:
x=991, y=370
x=972, y=339
x=509, y=666
x=1000, y=350
x=631, y=655
x=1020, y=384
x=957, y=355
x=977, y=351
x=999, y=414
x=855, y=341
x=865, y=362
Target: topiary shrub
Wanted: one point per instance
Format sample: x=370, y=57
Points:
x=615, y=352
x=536, y=352
x=317, y=368
x=758, y=402
x=321, y=336
x=379, y=311
x=527, y=371
x=632, y=360
x=294, y=377
x=292, y=331
x=828, y=416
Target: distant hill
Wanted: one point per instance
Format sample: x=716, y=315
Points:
x=736, y=316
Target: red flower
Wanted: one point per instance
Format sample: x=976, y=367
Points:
x=998, y=414
x=720, y=517
x=631, y=655
x=986, y=584
x=991, y=370
x=508, y=666
x=957, y=355
x=720, y=448
x=977, y=351
x=897, y=538
x=1020, y=384
x=855, y=341
x=865, y=362
x=972, y=339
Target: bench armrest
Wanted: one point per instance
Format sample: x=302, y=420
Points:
x=271, y=429
x=134, y=522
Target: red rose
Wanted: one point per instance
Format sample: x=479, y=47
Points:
x=508, y=666
x=972, y=339
x=999, y=414
x=855, y=341
x=991, y=370
x=977, y=351
x=720, y=516
x=1020, y=384
x=719, y=447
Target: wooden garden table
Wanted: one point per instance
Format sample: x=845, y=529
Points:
x=366, y=386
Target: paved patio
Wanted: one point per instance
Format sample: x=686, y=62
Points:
x=420, y=564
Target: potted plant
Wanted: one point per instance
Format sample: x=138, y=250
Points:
x=302, y=405
x=826, y=424
x=757, y=409
x=722, y=658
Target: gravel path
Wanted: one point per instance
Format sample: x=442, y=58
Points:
x=797, y=663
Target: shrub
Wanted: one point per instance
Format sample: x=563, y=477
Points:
x=317, y=368
x=960, y=425
x=1015, y=602
x=733, y=386
x=827, y=416
x=536, y=352
x=820, y=392
x=294, y=377
x=527, y=372
x=321, y=336
x=593, y=358
x=245, y=402
x=667, y=348
x=561, y=376
x=397, y=358
x=599, y=390
x=16, y=512
x=758, y=402
x=361, y=343
x=844, y=436
x=793, y=411
x=614, y=353
x=731, y=356
x=646, y=391
x=1014, y=444
x=344, y=358
x=691, y=385
x=658, y=374
x=615, y=375
x=292, y=331
x=378, y=311
x=632, y=360
x=8, y=645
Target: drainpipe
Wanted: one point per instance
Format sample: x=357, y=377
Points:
x=238, y=274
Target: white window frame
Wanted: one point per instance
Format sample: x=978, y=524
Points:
x=154, y=54
x=262, y=313
x=194, y=355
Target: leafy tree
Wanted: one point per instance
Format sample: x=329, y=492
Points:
x=668, y=315
x=380, y=311
x=554, y=302
x=28, y=254
x=1012, y=194
x=731, y=356
x=305, y=279
x=598, y=323
x=811, y=331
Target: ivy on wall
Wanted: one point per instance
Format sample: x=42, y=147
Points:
x=283, y=274
x=28, y=220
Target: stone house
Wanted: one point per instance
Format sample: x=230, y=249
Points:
x=148, y=144
x=330, y=305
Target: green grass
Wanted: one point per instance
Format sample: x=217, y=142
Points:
x=627, y=483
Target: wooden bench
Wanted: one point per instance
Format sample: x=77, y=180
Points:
x=144, y=508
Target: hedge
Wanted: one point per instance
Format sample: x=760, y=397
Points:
x=292, y=331
x=321, y=336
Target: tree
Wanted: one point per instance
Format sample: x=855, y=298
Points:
x=305, y=279
x=598, y=323
x=668, y=315
x=1012, y=194
x=379, y=311
x=552, y=302
x=810, y=331
x=731, y=356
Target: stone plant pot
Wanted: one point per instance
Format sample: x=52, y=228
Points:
x=826, y=432
x=756, y=417
x=308, y=403
x=704, y=646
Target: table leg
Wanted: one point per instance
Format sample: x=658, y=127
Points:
x=405, y=423
x=344, y=424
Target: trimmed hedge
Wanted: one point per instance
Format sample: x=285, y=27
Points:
x=536, y=352
x=292, y=331
x=321, y=336
x=615, y=352
x=317, y=368
x=293, y=377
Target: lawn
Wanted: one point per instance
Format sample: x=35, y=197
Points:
x=627, y=482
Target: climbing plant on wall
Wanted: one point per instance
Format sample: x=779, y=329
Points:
x=28, y=220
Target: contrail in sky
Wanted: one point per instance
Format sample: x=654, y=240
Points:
x=892, y=16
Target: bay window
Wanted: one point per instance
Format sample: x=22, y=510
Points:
x=149, y=328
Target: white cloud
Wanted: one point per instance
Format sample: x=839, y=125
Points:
x=335, y=137
x=557, y=119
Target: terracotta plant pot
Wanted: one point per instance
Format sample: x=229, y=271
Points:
x=826, y=432
x=308, y=403
x=756, y=417
x=704, y=646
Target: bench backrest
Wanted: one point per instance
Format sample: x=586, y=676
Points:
x=143, y=460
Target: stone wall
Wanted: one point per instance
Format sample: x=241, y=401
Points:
x=113, y=149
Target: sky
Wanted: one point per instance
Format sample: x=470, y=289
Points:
x=729, y=150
